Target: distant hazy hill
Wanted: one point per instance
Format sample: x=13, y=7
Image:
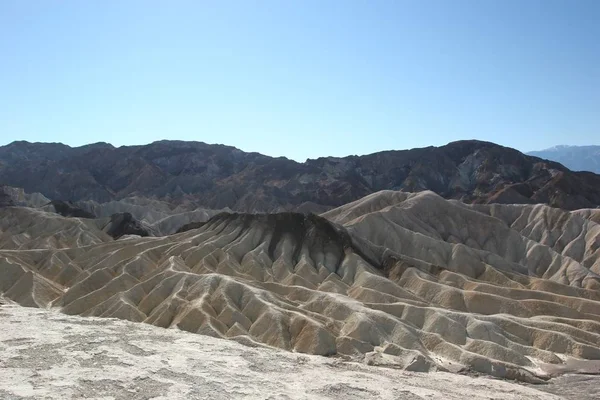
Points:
x=576, y=158
x=216, y=176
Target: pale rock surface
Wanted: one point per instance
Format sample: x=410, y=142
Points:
x=50, y=355
x=160, y=217
x=410, y=280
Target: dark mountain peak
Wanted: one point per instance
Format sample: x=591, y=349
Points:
x=473, y=142
x=472, y=146
x=25, y=143
x=67, y=209
x=300, y=231
x=35, y=151
x=124, y=224
x=97, y=145
x=188, y=145
x=219, y=176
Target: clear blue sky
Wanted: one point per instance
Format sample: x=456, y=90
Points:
x=301, y=78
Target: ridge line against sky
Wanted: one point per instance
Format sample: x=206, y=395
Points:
x=301, y=79
x=532, y=153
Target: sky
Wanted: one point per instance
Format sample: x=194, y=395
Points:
x=301, y=78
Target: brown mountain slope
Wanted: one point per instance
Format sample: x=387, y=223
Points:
x=216, y=176
x=403, y=279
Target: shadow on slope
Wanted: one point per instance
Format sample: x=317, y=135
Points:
x=406, y=280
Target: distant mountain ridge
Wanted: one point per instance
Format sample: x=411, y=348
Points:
x=576, y=158
x=219, y=176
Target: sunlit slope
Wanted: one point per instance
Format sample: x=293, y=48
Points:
x=30, y=228
x=159, y=217
x=407, y=279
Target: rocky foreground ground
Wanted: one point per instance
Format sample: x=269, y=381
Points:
x=48, y=355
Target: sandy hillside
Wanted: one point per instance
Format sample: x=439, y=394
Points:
x=24, y=228
x=408, y=280
x=160, y=217
x=54, y=356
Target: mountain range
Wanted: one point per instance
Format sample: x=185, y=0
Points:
x=470, y=257
x=193, y=174
x=577, y=158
